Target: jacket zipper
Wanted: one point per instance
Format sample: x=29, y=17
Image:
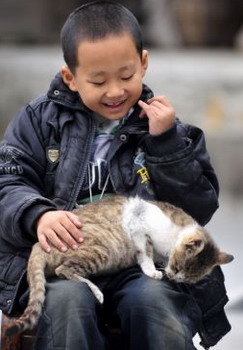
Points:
x=129, y=129
x=83, y=166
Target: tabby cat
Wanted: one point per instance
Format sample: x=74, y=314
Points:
x=119, y=232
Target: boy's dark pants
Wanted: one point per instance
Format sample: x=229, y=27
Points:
x=153, y=314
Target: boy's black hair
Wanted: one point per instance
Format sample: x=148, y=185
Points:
x=97, y=20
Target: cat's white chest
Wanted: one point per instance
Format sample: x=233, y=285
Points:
x=147, y=219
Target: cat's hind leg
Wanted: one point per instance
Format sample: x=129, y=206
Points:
x=73, y=273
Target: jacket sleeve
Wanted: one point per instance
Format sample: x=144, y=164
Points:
x=180, y=170
x=22, y=169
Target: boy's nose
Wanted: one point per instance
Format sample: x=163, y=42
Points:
x=115, y=91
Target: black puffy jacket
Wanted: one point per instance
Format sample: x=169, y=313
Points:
x=43, y=162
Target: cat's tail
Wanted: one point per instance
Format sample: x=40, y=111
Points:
x=37, y=281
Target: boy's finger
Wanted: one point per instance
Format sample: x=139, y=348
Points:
x=57, y=242
x=143, y=105
x=75, y=220
x=162, y=99
x=44, y=244
x=145, y=108
x=66, y=235
x=75, y=230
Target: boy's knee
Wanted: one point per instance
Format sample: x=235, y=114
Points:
x=66, y=294
x=154, y=298
x=146, y=293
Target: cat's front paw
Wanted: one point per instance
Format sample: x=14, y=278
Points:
x=155, y=274
x=158, y=275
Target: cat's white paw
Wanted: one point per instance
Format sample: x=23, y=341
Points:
x=155, y=274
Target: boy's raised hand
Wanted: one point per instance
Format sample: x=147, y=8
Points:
x=60, y=229
x=160, y=113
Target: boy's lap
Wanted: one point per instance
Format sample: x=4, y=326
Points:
x=129, y=286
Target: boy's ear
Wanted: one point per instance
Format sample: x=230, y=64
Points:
x=68, y=78
x=144, y=61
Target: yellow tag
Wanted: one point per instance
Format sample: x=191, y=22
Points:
x=143, y=172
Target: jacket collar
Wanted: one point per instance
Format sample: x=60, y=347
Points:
x=60, y=93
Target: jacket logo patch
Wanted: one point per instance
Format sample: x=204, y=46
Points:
x=9, y=154
x=53, y=154
x=11, y=170
x=8, y=160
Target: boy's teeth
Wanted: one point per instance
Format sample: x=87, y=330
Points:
x=113, y=103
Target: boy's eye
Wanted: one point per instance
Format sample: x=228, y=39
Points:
x=97, y=83
x=128, y=78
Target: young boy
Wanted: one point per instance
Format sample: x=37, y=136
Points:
x=96, y=132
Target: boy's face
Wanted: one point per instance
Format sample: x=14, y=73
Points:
x=109, y=75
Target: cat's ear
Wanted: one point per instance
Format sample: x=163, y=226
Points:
x=194, y=246
x=224, y=258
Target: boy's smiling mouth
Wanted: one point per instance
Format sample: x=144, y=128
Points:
x=114, y=105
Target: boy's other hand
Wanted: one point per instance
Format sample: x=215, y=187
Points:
x=60, y=229
x=160, y=113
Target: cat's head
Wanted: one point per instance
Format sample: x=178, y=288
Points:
x=194, y=256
